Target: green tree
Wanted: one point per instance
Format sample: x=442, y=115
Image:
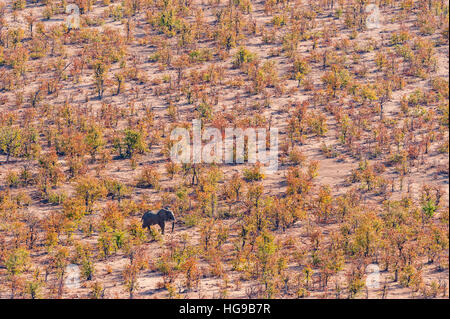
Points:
x=300, y=69
x=94, y=140
x=17, y=261
x=10, y=141
x=132, y=142
x=429, y=208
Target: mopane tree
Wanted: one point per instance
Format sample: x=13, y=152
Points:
x=10, y=141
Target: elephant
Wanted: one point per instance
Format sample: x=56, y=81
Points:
x=150, y=218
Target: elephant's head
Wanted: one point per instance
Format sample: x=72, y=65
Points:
x=168, y=215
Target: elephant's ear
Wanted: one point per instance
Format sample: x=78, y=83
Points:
x=167, y=214
x=163, y=213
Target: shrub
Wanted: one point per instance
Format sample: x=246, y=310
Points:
x=12, y=179
x=400, y=37
x=337, y=79
x=254, y=173
x=17, y=261
x=55, y=198
x=297, y=181
x=296, y=156
x=242, y=57
x=172, y=169
x=116, y=189
x=149, y=178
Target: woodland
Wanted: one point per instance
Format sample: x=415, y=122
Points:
x=86, y=113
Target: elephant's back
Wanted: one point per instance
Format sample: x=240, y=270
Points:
x=149, y=216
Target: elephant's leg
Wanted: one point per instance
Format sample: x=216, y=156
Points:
x=162, y=227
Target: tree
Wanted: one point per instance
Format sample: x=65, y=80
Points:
x=17, y=262
x=243, y=56
x=31, y=147
x=130, y=274
x=50, y=173
x=31, y=20
x=10, y=141
x=337, y=78
x=266, y=261
x=59, y=261
x=19, y=5
x=117, y=190
x=94, y=140
x=355, y=282
x=180, y=64
x=132, y=142
x=168, y=20
x=100, y=72
x=120, y=79
x=300, y=69
x=384, y=91
x=90, y=189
